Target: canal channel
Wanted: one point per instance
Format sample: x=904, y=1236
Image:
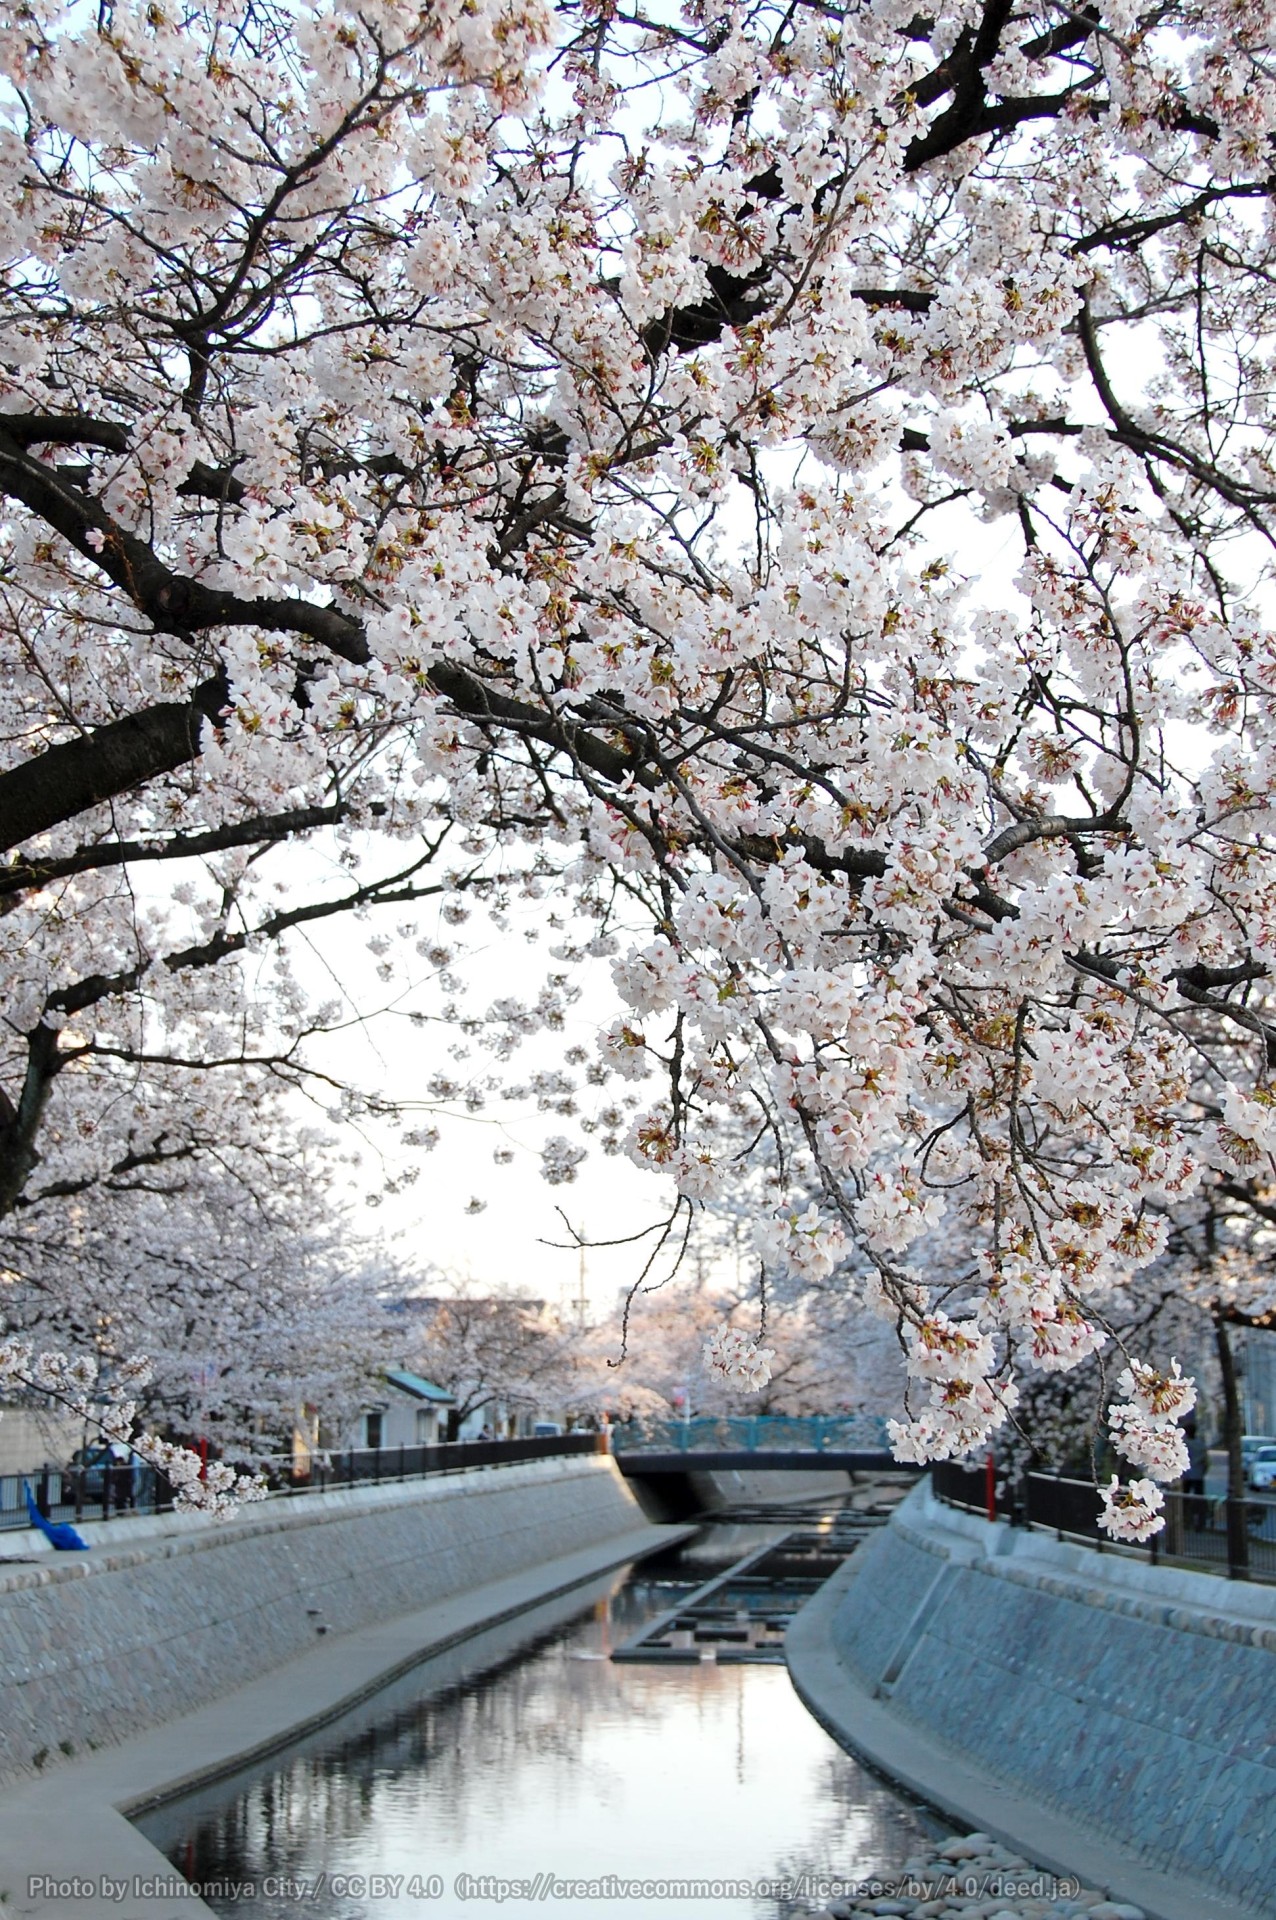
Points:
x=642, y=1729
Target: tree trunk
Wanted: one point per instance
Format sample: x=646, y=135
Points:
x=1233, y=1426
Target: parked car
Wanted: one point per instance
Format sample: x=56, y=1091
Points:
x=94, y=1463
x=546, y=1429
x=1252, y=1443
x=1261, y=1470
x=91, y=1464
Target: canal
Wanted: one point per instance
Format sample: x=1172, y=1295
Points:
x=528, y=1752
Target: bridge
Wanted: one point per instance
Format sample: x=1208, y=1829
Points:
x=636, y=1464
x=770, y=1443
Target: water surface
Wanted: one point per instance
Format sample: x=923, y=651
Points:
x=504, y=1762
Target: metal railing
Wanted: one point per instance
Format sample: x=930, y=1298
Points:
x=1206, y=1531
x=371, y=1466
x=92, y=1493
x=814, y=1433
x=959, y=1484
x=81, y=1493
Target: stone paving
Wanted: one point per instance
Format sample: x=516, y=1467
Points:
x=973, y=1878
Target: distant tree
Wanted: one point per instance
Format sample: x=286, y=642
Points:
x=248, y=1307
x=491, y=1349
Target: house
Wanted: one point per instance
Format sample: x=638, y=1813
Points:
x=505, y=1357
x=412, y=1412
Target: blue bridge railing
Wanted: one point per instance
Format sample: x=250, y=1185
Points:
x=751, y=1433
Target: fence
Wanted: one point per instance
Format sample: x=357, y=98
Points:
x=95, y=1493
x=1237, y=1537
x=815, y=1433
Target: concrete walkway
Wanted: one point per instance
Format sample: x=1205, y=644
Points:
x=66, y=1847
x=933, y=1772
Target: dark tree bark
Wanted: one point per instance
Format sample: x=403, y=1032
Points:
x=1233, y=1425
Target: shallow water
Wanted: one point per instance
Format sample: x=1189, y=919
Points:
x=556, y=1763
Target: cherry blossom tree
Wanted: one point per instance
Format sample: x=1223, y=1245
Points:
x=818, y=1354
x=645, y=1360
x=490, y=1349
x=804, y=473
x=689, y=1342
x=248, y=1306
x=1219, y=1265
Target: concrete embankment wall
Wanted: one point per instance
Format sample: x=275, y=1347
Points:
x=166, y=1613
x=1134, y=1700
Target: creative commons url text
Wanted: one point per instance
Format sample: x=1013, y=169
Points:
x=1004, y=1885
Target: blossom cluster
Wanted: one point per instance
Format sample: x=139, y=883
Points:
x=1132, y=1509
x=1144, y=1419
x=735, y=1356
x=212, y=1487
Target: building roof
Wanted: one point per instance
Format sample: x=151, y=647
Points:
x=417, y=1388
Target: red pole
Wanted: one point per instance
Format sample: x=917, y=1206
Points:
x=990, y=1487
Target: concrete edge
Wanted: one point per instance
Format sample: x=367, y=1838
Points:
x=121, y=1543
x=1201, y=1603
x=79, y=1813
x=906, y=1755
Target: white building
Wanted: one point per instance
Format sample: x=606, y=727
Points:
x=412, y=1412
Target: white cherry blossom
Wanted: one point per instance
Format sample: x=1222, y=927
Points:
x=797, y=502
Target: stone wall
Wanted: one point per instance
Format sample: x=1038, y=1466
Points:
x=1136, y=1699
x=163, y=1614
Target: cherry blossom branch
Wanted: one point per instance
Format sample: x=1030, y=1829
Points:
x=204, y=1487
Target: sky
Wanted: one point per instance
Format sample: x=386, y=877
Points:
x=432, y=1222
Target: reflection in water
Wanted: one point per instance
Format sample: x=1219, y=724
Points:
x=555, y=1761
